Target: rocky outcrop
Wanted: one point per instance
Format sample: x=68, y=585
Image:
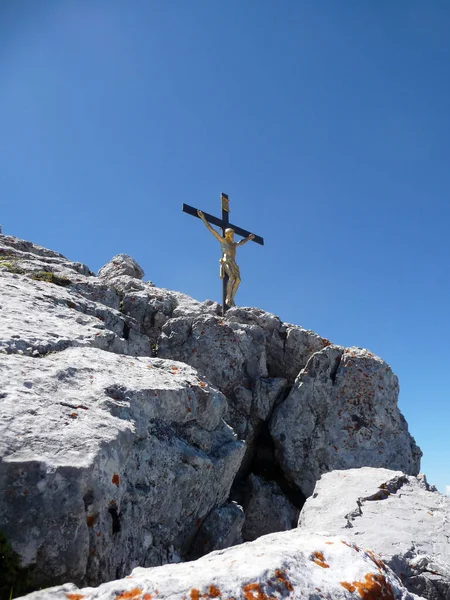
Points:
x=119, y=265
x=108, y=462
x=249, y=355
x=128, y=412
x=39, y=318
x=342, y=413
x=285, y=565
x=399, y=517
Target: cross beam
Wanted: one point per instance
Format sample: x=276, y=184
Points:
x=224, y=224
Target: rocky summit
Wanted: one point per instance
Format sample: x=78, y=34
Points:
x=151, y=448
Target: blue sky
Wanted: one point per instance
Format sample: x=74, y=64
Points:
x=327, y=123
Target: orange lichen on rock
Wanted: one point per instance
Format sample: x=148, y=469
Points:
x=213, y=592
x=318, y=558
x=91, y=520
x=375, y=587
x=194, y=594
x=129, y=594
x=147, y=597
x=380, y=564
x=353, y=546
x=74, y=596
x=253, y=591
x=283, y=578
x=116, y=479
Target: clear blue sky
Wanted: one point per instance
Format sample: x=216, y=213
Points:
x=327, y=123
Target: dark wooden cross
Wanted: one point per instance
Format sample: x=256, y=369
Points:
x=224, y=223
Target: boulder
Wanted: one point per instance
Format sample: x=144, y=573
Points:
x=108, y=461
x=395, y=515
x=222, y=528
x=121, y=264
x=283, y=565
x=342, y=413
x=267, y=509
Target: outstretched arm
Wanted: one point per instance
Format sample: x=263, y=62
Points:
x=245, y=240
x=213, y=231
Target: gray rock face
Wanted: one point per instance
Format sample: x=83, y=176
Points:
x=221, y=529
x=397, y=516
x=39, y=317
x=283, y=565
x=288, y=347
x=121, y=264
x=108, y=461
x=233, y=358
x=249, y=355
x=22, y=255
x=342, y=413
x=267, y=510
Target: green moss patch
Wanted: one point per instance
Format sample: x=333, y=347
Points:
x=50, y=278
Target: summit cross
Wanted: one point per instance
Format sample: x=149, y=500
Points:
x=229, y=271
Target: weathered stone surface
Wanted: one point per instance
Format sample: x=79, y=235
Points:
x=283, y=565
x=232, y=357
x=40, y=317
x=288, y=347
x=221, y=529
x=152, y=307
x=20, y=254
x=342, y=413
x=108, y=461
x=121, y=264
x=267, y=510
x=395, y=515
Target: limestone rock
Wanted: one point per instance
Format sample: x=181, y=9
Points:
x=232, y=356
x=121, y=264
x=152, y=307
x=39, y=317
x=283, y=565
x=288, y=347
x=395, y=515
x=20, y=255
x=222, y=528
x=267, y=510
x=108, y=461
x=342, y=413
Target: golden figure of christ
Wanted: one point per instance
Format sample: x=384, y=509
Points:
x=229, y=271
x=228, y=265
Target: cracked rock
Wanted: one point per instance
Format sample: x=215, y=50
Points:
x=397, y=516
x=342, y=413
x=292, y=564
x=108, y=461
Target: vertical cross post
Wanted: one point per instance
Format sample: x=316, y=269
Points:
x=225, y=222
